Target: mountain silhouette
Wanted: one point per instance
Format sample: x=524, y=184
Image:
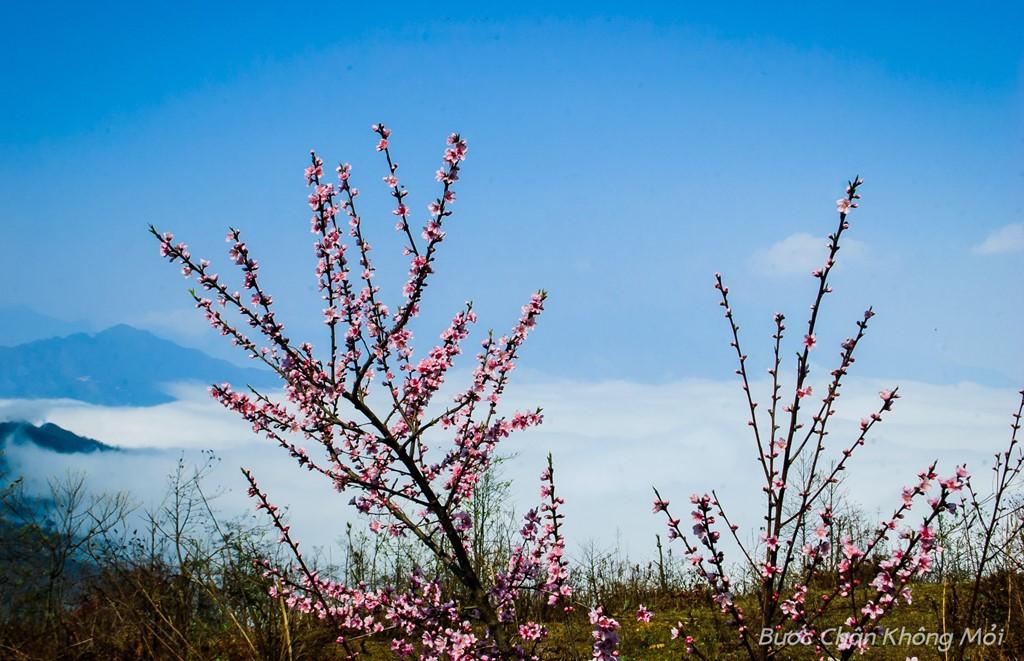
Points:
x=50, y=437
x=120, y=366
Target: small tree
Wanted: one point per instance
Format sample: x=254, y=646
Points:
x=365, y=403
x=797, y=587
x=50, y=540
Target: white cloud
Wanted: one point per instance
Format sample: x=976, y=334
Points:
x=800, y=253
x=612, y=441
x=194, y=420
x=1009, y=238
x=315, y=509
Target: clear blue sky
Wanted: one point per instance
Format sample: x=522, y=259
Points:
x=618, y=157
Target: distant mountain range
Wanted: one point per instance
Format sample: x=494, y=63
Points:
x=20, y=324
x=50, y=437
x=120, y=366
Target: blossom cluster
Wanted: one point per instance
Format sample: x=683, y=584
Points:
x=606, y=636
x=538, y=563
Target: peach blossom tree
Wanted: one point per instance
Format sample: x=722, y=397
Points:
x=798, y=592
x=364, y=402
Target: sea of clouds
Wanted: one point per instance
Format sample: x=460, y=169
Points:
x=612, y=442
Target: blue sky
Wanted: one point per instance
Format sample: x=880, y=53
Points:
x=618, y=157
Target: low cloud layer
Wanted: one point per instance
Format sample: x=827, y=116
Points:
x=612, y=441
x=193, y=421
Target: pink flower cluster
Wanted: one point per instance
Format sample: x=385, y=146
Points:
x=710, y=567
x=606, y=636
x=896, y=569
x=538, y=563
